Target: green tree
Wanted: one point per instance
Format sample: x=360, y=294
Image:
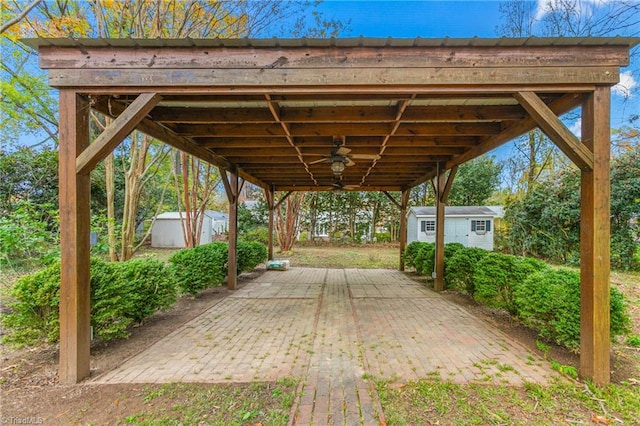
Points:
x=475, y=181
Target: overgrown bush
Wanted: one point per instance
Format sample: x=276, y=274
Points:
x=497, y=275
x=121, y=293
x=459, y=268
x=426, y=262
x=424, y=259
x=260, y=235
x=149, y=286
x=201, y=267
x=34, y=314
x=411, y=252
x=250, y=255
x=549, y=301
x=383, y=237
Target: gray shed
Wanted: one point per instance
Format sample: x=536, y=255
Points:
x=471, y=226
x=167, y=230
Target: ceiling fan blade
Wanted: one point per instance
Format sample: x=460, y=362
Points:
x=365, y=156
x=351, y=186
x=348, y=162
x=343, y=150
x=324, y=160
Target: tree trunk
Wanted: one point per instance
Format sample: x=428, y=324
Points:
x=287, y=221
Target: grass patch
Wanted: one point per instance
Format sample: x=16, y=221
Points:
x=379, y=256
x=562, y=402
x=215, y=404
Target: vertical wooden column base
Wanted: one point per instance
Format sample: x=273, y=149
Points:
x=74, y=199
x=595, y=340
x=404, y=202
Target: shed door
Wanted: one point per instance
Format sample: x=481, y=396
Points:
x=455, y=231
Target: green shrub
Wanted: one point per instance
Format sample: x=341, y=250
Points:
x=201, y=267
x=497, y=276
x=411, y=252
x=424, y=259
x=34, y=314
x=383, y=237
x=459, y=268
x=425, y=262
x=121, y=293
x=549, y=301
x=149, y=286
x=260, y=235
x=111, y=301
x=250, y=255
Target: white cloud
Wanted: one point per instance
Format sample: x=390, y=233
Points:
x=543, y=6
x=626, y=85
x=576, y=128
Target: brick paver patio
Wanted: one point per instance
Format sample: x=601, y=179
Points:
x=329, y=327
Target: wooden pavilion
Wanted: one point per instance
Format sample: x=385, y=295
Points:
x=351, y=114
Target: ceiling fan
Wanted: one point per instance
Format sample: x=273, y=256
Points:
x=340, y=157
x=339, y=186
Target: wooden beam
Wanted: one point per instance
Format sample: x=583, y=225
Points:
x=232, y=194
x=74, y=197
x=556, y=130
x=594, y=240
x=269, y=195
x=284, y=197
x=559, y=107
x=360, y=77
x=404, y=202
x=443, y=183
x=344, y=58
x=393, y=200
x=161, y=133
x=115, y=133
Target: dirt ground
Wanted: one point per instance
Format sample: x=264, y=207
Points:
x=30, y=392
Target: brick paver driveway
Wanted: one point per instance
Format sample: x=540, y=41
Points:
x=329, y=327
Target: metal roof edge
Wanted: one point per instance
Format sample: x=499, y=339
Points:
x=36, y=43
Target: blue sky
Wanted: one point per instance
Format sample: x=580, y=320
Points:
x=415, y=18
x=456, y=18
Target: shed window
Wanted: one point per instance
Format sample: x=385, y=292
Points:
x=428, y=226
x=480, y=226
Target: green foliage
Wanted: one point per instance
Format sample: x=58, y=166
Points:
x=121, y=293
x=475, y=181
x=411, y=252
x=260, y=235
x=24, y=235
x=149, y=286
x=497, y=276
x=250, y=255
x=545, y=222
x=633, y=341
x=383, y=237
x=201, y=267
x=549, y=301
x=34, y=314
x=425, y=259
x=459, y=268
x=111, y=301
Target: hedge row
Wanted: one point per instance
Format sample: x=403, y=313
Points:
x=122, y=293
x=543, y=298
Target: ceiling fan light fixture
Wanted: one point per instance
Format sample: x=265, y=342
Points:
x=337, y=167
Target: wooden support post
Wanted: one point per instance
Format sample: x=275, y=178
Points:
x=594, y=240
x=74, y=198
x=443, y=186
x=270, y=197
x=404, y=202
x=231, y=186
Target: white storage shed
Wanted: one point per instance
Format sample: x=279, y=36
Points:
x=168, y=232
x=469, y=225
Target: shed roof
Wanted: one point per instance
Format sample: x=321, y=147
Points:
x=469, y=211
x=208, y=213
